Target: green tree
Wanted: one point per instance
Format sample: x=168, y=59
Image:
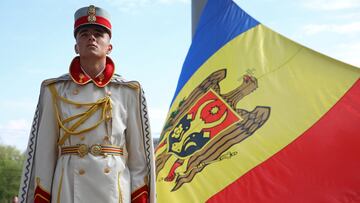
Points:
x=11, y=160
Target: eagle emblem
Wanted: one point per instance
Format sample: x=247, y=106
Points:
x=204, y=126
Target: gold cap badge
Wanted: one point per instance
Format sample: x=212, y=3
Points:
x=91, y=14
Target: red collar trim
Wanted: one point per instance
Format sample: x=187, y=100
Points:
x=81, y=78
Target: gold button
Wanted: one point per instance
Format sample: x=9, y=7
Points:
x=82, y=138
x=108, y=93
x=75, y=92
x=81, y=172
x=107, y=170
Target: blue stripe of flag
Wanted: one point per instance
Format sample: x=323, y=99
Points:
x=220, y=22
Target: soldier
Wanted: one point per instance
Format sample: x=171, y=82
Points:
x=90, y=139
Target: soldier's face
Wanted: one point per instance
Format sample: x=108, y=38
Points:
x=93, y=41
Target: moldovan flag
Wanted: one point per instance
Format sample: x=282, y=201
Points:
x=257, y=117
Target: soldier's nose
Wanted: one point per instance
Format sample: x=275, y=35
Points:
x=91, y=37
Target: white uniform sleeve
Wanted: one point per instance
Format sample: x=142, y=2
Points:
x=140, y=149
x=41, y=154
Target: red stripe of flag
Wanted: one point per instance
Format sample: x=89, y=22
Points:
x=322, y=165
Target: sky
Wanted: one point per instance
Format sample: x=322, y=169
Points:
x=150, y=39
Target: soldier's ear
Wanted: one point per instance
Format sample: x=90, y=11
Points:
x=110, y=47
x=76, y=49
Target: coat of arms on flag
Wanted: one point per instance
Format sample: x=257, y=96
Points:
x=205, y=125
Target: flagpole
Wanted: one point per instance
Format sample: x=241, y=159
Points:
x=196, y=9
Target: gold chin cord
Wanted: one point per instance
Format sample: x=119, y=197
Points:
x=104, y=104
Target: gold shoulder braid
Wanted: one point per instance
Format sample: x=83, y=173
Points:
x=103, y=103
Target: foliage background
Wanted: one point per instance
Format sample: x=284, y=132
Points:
x=11, y=161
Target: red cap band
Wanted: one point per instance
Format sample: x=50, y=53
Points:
x=99, y=21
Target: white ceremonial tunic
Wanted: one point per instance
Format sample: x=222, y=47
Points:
x=70, y=178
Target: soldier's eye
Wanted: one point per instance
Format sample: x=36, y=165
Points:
x=84, y=34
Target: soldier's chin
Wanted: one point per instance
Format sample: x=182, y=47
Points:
x=92, y=53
